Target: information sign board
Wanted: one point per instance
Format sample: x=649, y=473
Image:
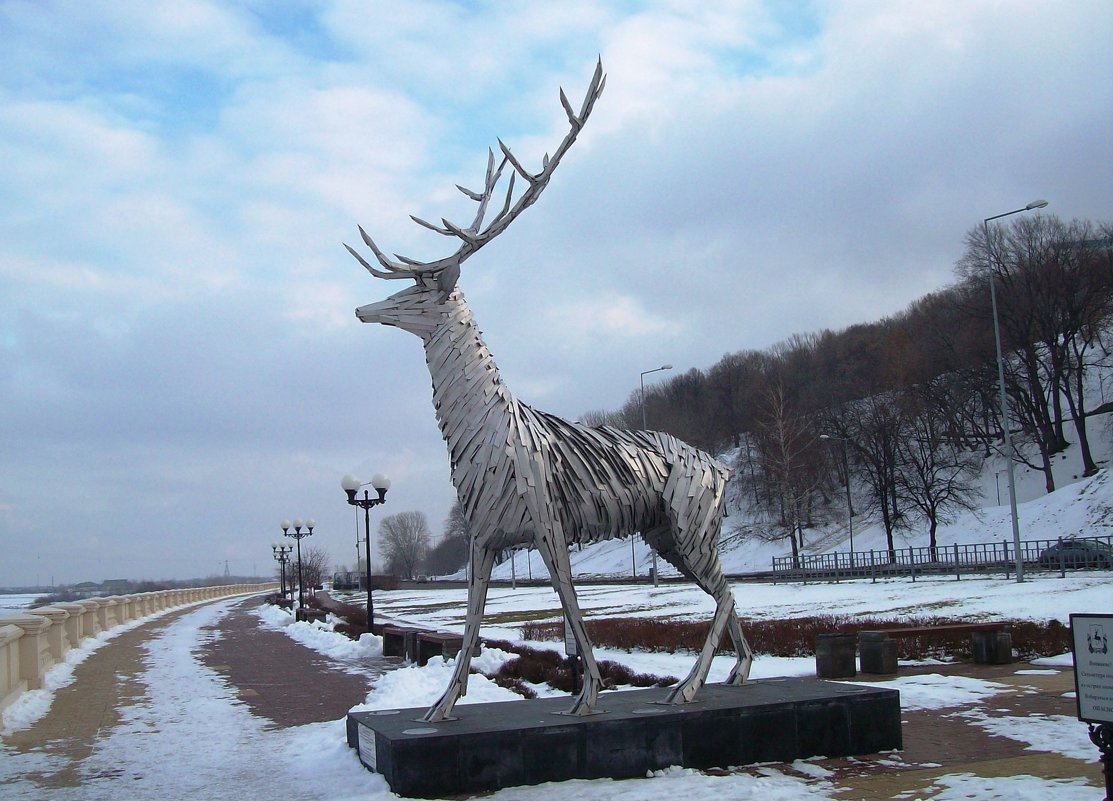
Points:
x=1093, y=666
x=367, y=753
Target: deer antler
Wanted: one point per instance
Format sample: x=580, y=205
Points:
x=475, y=236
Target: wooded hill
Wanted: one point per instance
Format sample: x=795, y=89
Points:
x=903, y=410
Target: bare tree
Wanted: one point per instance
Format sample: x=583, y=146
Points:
x=403, y=541
x=934, y=475
x=876, y=427
x=601, y=417
x=1084, y=280
x=314, y=566
x=450, y=554
x=791, y=466
x=1054, y=291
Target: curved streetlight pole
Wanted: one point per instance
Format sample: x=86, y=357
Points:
x=641, y=380
x=351, y=485
x=1010, y=452
x=846, y=476
x=298, y=535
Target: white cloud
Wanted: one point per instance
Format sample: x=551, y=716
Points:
x=592, y=318
x=177, y=179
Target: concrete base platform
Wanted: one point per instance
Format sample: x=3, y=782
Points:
x=490, y=746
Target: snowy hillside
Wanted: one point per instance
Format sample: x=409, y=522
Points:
x=1079, y=507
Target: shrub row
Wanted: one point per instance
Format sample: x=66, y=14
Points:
x=545, y=666
x=796, y=636
x=532, y=665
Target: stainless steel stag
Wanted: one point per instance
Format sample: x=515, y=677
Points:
x=529, y=479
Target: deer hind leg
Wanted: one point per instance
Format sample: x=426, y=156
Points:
x=745, y=656
x=696, y=520
x=482, y=561
x=555, y=554
x=724, y=614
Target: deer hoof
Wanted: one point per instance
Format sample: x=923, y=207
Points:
x=585, y=702
x=440, y=710
x=683, y=693
x=739, y=675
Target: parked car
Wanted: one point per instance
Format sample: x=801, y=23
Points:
x=1077, y=553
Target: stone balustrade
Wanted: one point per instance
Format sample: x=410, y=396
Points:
x=33, y=641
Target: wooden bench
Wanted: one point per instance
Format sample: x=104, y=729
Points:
x=419, y=645
x=991, y=644
x=437, y=643
x=400, y=641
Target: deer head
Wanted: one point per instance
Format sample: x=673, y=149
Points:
x=418, y=308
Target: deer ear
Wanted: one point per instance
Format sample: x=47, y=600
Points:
x=446, y=280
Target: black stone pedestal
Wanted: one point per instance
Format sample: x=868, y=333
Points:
x=877, y=653
x=834, y=656
x=992, y=647
x=496, y=745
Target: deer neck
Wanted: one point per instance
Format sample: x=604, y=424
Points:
x=468, y=394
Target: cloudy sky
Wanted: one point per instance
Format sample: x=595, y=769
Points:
x=180, y=366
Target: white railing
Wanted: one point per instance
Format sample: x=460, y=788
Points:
x=33, y=641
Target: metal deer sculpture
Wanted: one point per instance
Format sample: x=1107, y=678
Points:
x=527, y=478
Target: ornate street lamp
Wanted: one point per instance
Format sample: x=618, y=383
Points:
x=641, y=379
x=350, y=484
x=1010, y=452
x=282, y=556
x=297, y=535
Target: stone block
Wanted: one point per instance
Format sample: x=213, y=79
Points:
x=877, y=653
x=992, y=647
x=493, y=745
x=835, y=656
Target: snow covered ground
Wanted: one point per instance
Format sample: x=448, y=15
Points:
x=190, y=736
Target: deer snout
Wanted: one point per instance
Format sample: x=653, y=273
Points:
x=373, y=313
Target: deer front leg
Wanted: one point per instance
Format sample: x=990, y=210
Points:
x=482, y=562
x=555, y=553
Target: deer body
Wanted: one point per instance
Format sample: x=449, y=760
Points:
x=527, y=478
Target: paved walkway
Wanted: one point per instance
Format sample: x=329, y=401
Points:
x=290, y=685
x=940, y=742
x=281, y=680
x=103, y=684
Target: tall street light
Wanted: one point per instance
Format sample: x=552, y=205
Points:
x=1005, y=425
x=282, y=556
x=846, y=475
x=645, y=427
x=350, y=484
x=297, y=535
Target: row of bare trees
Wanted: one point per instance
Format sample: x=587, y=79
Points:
x=906, y=407
x=314, y=567
x=406, y=544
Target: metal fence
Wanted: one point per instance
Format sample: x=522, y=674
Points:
x=956, y=560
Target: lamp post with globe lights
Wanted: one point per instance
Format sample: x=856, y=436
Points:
x=282, y=556
x=298, y=534
x=351, y=485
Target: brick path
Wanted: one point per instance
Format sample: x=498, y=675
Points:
x=281, y=680
x=88, y=707
x=936, y=742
